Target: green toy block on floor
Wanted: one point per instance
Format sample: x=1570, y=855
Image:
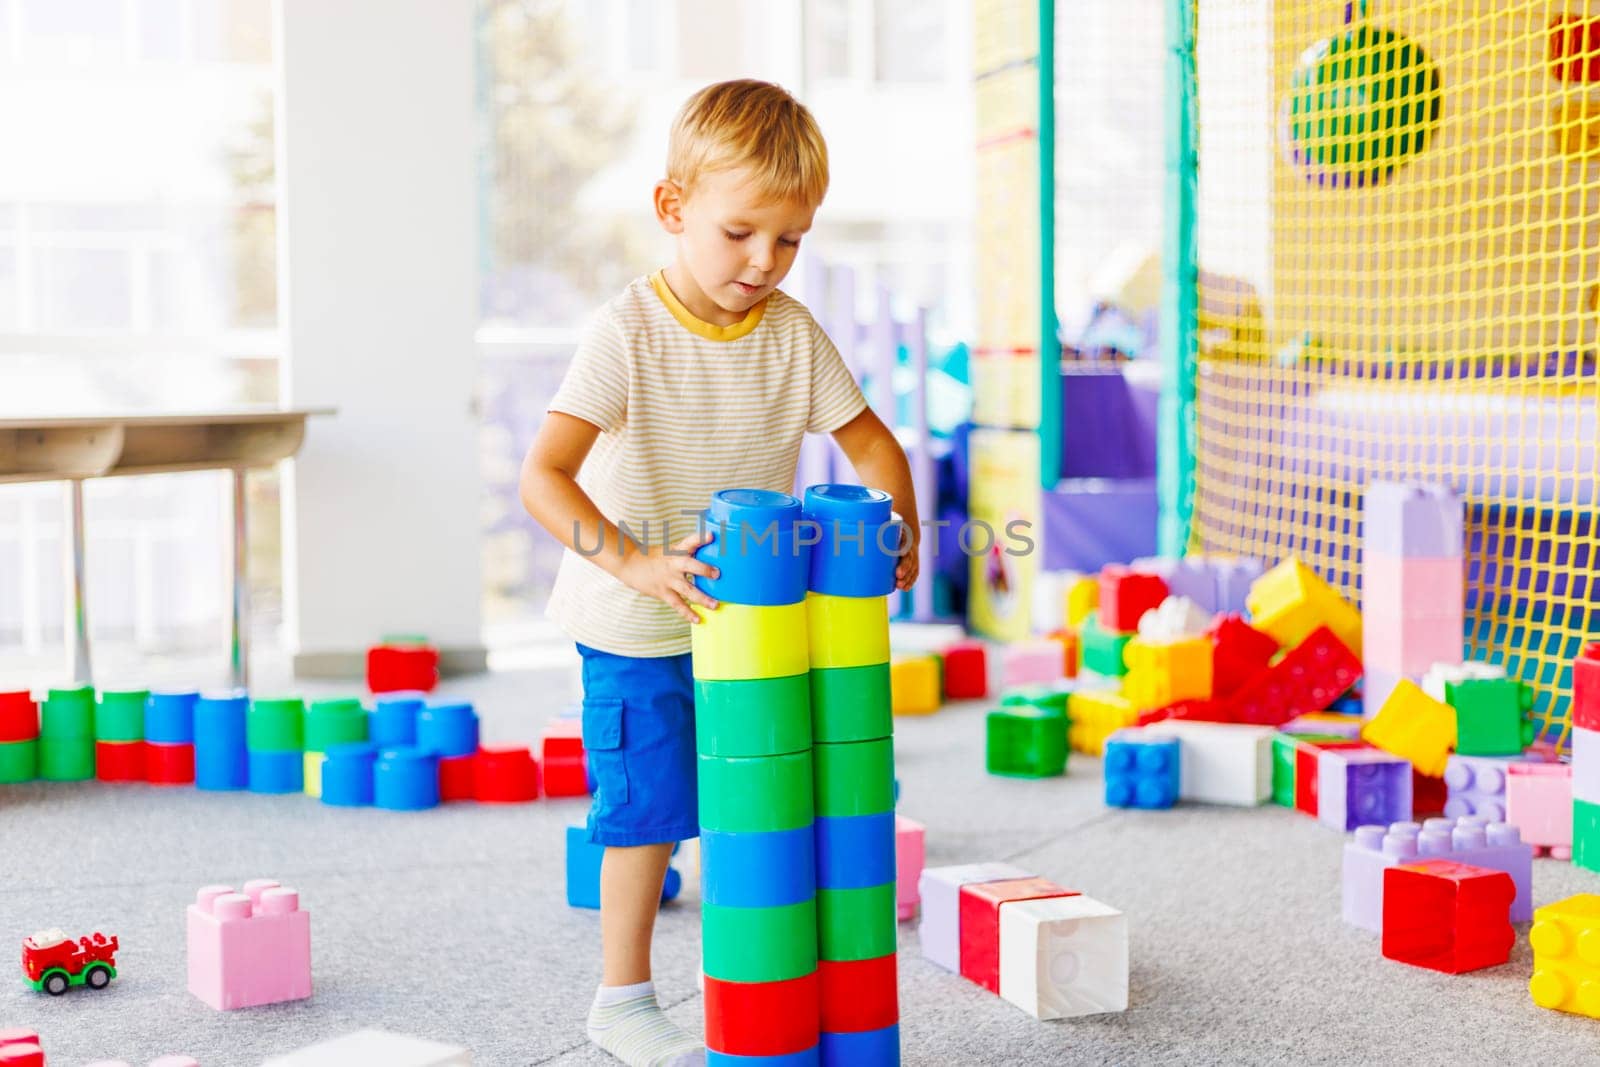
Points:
x=1586, y=835
x=1039, y=696
x=1493, y=716
x=1027, y=741
x=1100, y=651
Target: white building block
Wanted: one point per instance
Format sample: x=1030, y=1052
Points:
x=1441, y=674
x=1224, y=763
x=1063, y=956
x=375, y=1047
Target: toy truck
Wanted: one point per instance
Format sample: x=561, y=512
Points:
x=53, y=962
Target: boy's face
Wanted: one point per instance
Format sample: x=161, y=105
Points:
x=734, y=245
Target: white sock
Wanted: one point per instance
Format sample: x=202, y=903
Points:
x=627, y=1022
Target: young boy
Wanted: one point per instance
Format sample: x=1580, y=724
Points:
x=700, y=377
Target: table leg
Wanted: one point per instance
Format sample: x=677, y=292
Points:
x=78, y=614
x=239, y=648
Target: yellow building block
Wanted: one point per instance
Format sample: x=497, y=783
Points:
x=1096, y=716
x=914, y=685
x=1290, y=601
x=847, y=631
x=739, y=641
x=1083, y=598
x=1414, y=726
x=1160, y=672
x=1566, y=955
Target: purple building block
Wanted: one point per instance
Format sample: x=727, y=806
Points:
x=1469, y=839
x=1362, y=787
x=1234, y=577
x=1412, y=519
x=1477, y=786
x=1586, y=765
x=1375, y=689
x=940, y=889
x=1214, y=583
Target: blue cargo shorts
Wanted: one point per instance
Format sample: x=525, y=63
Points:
x=638, y=736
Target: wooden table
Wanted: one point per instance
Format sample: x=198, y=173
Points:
x=74, y=448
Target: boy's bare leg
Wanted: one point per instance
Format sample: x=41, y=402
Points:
x=626, y=1020
x=630, y=895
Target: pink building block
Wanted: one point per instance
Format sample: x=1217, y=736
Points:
x=1409, y=646
x=1539, y=805
x=1032, y=662
x=249, y=948
x=909, y=855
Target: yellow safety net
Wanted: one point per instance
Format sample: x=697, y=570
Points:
x=1398, y=227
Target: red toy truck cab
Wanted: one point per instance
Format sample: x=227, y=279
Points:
x=53, y=962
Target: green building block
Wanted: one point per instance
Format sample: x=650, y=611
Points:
x=1586, y=835
x=856, y=924
x=120, y=715
x=276, y=725
x=855, y=778
x=761, y=944
x=1101, y=652
x=1039, y=696
x=756, y=793
x=1493, y=716
x=66, y=759
x=1026, y=741
x=19, y=761
x=334, y=722
x=851, y=703
x=68, y=714
x=753, y=716
x=1283, y=749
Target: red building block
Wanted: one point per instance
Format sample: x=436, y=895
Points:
x=980, y=922
x=506, y=774
x=1586, y=688
x=1429, y=795
x=858, y=995
x=966, y=671
x=561, y=753
x=1189, y=710
x=1239, y=652
x=761, y=1018
x=458, y=777
x=1310, y=677
x=1125, y=596
x=20, y=1048
x=168, y=764
x=402, y=668
x=1447, y=916
x=19, y=717
x=119, y=761
x=1574, y=52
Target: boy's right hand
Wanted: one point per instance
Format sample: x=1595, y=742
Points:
x=664, y=574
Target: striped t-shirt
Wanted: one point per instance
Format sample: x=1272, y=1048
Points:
x=685, y=408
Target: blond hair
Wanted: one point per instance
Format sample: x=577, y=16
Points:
x=753, y=124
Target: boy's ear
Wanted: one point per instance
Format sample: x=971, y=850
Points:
x=669, y=206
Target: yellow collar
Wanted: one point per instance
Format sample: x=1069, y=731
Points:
x=731, y=332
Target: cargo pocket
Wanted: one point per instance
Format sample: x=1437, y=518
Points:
x=602, y=741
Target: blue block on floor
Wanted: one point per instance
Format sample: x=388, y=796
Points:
x=765, y=869
x=583, y=871
x=221, y=760
x=169, y=716
x=855, y=851
x=1141, y=772
x=868, y=1048
x=393, y=722
x=806, y=1058
x=406, y=779
x=278, y=772
x=347, y=774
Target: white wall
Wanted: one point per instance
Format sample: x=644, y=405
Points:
x=377, y=259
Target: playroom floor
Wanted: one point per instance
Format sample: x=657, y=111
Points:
x=452, y=924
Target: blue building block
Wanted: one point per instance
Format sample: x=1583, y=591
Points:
x=448, y=729
x=855, y=851
x=761, y=869
x=865, y=1048
x=393, y=722
x=277, y=772
x=1141, y=771
x=221, y=760
x=858, y=540
x=406, y=779
x=810, y=1057
x=583, y=871
x=347, y=774
x=169, y=716
x=758, y=548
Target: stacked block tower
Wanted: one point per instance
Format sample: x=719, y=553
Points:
x=1413, y=584
x=792, y=711
x=1586, y=759
x=847, y=619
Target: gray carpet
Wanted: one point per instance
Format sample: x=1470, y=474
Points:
x=453, y=924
